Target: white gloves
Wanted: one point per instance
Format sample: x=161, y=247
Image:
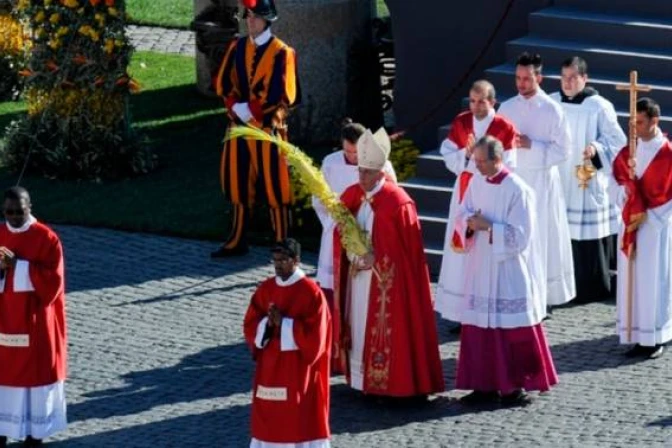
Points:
x=242, y=111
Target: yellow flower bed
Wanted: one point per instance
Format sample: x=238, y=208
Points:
x=12, y=39
x=404, y=156
x=353, y=238
x=79, y=44
x=101, y=108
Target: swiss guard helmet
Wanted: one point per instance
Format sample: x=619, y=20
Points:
x=264, y=9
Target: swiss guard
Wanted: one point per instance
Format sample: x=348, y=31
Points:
x=259, y=84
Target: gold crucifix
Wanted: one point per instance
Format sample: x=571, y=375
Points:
x=633, y=88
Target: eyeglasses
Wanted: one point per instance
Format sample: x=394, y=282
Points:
x=14, y=212
x=280, y=260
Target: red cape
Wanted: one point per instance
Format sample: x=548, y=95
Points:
x=401, y=353
x=500, y=128
x=304, y=415
x=651, y=190
x=40, y=314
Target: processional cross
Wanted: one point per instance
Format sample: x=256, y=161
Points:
x=633, y=88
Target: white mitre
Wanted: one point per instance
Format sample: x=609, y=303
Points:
x=373, y=149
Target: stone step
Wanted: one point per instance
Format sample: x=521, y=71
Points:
x=651, y=64
x=434, y=227
x=431, y=196
x=430, y=165
x=607, y=28
x=434, y=255
x=442, y=131
x=503, y=78
x=656, y=8
x=599, y=29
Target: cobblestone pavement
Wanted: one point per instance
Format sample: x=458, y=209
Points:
x=163, y=40
x=157, y=360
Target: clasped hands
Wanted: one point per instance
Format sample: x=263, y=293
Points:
x=274, y=316
x=471, y=143
x=7, y=258
x=631, y=186
x=523, y=141
x=478, y=222
x=589, y=152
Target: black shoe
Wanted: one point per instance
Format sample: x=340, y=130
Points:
x=3, y=442
x=656, y=351
x=517, y=398
x=416, y=400
x=373, y=399
x=638, y=350
x=480, y=397
x=31, y=443
x=413, y=401
x=224, y=252
x=457, y=329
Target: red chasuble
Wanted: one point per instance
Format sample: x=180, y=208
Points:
x=401, y=353
x=651, y=190
x=32, y=313
x=290, y=401
x=462, y=127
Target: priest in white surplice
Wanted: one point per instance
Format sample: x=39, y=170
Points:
x=340, y=171
x=593, y=219
x=645, y=237
x=456, y=150
x=545, y=143
x=503, y=349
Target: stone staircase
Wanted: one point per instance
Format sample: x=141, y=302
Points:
x=613, y=36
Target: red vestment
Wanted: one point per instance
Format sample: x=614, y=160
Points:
x=651, y=190
x=290, y=401
x=401, y=353
x=33, y=346
x=500, y=128
x=462, y=127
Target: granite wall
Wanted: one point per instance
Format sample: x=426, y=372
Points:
x=322, y=32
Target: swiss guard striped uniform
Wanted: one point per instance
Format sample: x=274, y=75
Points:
x=257, y=80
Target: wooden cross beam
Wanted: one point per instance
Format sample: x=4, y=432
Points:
x=633, y=87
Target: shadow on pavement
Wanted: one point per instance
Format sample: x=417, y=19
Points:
x=213, y=373
x=664, y=422
x=590, y=355
x=98, y=258
x=352, y=412
x=214, y=429
x=187, y=292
